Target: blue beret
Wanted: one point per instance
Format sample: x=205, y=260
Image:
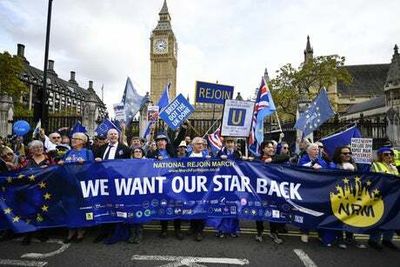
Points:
x=384, y=149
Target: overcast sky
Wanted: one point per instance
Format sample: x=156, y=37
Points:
x=231, y=41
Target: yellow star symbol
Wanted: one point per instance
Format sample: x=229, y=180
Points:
x=7, y=211
x=338, y=187
x=9, y=180
x=32, y=178
x=45, y=208
x=357, y=179
x=376, y=191
x=39, y=218
x=345, y=180
x=15, y=219
x=47, y=196
x=369, y=182
x=42, y=185
x=21, y=176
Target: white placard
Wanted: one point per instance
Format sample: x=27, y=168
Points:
x=237, y=118
x=119, y=112
x=362, y=150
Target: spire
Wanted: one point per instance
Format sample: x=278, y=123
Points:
x=309, y=51
x=393, y=77
x=165, y=19
x=266, y=76
x=164, y=9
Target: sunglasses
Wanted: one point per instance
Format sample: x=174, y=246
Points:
x=9, y=154
x=346, y=153
x=56, y=137
x=285, y=147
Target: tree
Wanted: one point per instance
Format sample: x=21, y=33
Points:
x=10, y=69
x=309, y=78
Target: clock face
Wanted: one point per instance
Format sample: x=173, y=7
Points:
x=160, y=46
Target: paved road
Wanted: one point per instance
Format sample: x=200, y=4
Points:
x=212, y=251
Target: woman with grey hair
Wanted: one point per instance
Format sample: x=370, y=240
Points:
x=38, y=157
x=78, y=153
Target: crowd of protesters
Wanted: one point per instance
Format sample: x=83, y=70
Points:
x=59, y=148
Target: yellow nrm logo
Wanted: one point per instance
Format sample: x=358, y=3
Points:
x=356, y=203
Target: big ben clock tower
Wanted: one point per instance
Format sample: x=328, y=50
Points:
x=163, y=56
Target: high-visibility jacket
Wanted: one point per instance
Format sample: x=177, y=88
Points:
x=396, y=157
x=384, y=168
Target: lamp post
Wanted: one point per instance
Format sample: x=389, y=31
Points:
x=43, y=112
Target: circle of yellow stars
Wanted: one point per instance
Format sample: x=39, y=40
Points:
x=15, y=218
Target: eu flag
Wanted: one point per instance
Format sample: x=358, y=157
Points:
x=317, y=113
x=104, y=126
x=164, y=99
x=131, y=100
x=342, y=138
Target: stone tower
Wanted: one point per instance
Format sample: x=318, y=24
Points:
x=392, y=98
x=163, y=56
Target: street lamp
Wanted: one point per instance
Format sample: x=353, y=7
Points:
x=41, y=111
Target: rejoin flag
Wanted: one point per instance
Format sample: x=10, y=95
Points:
x=317, y=113
x=264, y=107
x=131, y=101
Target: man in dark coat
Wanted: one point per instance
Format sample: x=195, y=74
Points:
x=110, y=151
x=113, y=149
x=166, y=150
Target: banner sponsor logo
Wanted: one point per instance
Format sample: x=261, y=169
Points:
x=356, y=203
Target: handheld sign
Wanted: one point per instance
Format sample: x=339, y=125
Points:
x=213, y=93
x=362, y=150
x=237, y=118
x=119, y=111
x=152, y=113
x=176, y=112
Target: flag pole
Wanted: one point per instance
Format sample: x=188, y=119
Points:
x=210, y=128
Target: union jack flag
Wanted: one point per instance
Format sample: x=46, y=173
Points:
x=264, y=107
x=216, y=140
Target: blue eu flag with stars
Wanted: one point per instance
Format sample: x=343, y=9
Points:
x=317, y=113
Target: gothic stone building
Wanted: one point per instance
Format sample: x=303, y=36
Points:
x=64, y=97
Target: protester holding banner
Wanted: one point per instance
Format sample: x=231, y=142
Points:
x=78, y=153
x=197, y=225
x=111, y=233
x=38, y=157
x=343, y=160
x=166, y=150
x=268, y=156
x=136, y=228
x=228, y=226
x=384, y=164
x=312, y=160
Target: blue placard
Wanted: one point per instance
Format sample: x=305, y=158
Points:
x=176, y=112
x=213, y=93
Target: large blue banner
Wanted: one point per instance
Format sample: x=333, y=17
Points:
x=141, y=190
